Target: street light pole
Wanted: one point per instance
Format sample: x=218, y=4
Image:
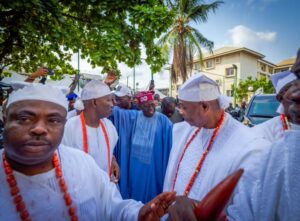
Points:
x=134, y=79
x=78, y=69
x=235, y=83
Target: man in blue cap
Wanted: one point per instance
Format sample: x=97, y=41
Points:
x=71, y=98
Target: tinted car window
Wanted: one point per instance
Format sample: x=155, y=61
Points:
x=263, y=108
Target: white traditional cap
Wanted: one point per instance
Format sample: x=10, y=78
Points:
x=39, y=92
x=16, y=85
x=201, y=88
x=94, y=89
x=122, y=90
x=78, y=105
x=281, y=79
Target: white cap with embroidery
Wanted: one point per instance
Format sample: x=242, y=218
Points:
x=201, y=88
x=78, y=105
x=94, y=89
x=122, y=90
x=39, y=92
x=281, y=79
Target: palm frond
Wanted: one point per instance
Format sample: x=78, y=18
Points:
x=169, y=4
x=166, y=51
x=196, y=46
x=183, y=6
x=202, y=40
x=190, y=56
x=179, y=59
x=199, y=13
x=165, y=38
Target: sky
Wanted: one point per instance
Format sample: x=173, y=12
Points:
x=271, y=27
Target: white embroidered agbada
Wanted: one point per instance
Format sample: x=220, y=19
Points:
x=94, y=196
x=271, y=130
x=235, y=147
x=275, y=195
x=73, y=137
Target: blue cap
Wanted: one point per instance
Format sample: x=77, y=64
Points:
x=71, y=96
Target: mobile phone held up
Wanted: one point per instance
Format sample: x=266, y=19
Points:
x=50, y=72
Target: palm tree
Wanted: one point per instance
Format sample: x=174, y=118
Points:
x=183, y=39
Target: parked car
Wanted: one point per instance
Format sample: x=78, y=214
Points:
x=4, y=90
x=261, y=108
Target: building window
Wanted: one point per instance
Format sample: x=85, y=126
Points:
x=263, y=67
x=271, y=70
x=229, y=72
x=218, y=60
x=209, y=64
x=229, y=93
x=197, y=66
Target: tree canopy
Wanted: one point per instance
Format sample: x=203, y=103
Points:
x=46, y=33
x=243, y=87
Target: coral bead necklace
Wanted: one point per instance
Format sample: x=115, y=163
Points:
x=17, y=197
x=86, y=143
x=202, y=159
x=284, y=121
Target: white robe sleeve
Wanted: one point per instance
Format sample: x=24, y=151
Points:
x=271, y=130
x=112, y=133
x=68, y=133
x=112, y=206
x=259, y=191
x=246, y=195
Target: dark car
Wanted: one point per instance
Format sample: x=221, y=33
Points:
x=261, y=108
x=4, y=91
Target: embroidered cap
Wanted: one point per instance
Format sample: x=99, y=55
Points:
x=145, y=96
x=122, y=90
x=78, y=105
x=201, y=88
x=281, y=79
x=39, y=92
x=95, y=89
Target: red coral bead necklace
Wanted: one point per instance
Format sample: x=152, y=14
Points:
x=17, y=197
x=202, y=159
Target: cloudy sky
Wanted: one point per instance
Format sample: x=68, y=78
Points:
x=270, y=27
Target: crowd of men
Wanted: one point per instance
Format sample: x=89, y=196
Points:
x=114, y=159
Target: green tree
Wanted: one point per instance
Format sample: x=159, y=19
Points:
x=182, y=40
x=38, y=32
x=243, y=87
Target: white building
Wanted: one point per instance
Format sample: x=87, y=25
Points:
x=230, y=65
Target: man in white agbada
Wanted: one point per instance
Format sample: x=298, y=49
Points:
x=91, y=131
x=201, y=157
x=274, y=128
x=41, y=179
x=275, y=194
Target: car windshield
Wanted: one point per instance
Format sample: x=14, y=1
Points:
x=264, y=106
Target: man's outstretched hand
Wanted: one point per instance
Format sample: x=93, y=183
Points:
x=110, y=78
x=115, y=170
x=157, y=208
